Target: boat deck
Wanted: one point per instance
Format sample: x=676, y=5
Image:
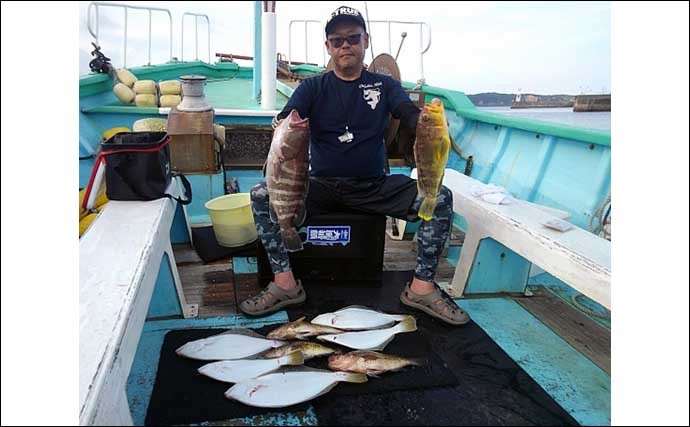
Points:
x=560, y=346
x=220, y=286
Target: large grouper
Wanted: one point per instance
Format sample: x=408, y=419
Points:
x=287, y=176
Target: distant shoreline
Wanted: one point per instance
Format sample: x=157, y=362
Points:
x=578, y=103
x=529, y=100
x=542, y=104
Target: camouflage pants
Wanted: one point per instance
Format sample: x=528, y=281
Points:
x=391, y=195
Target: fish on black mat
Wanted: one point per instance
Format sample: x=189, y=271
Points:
x=468, y=377
x=234, y=371
x=371, y=363
x=289, y=388
x=357, y=317
x=309, y=349
x=376, y=339
x=230, y=345
x=300, y=329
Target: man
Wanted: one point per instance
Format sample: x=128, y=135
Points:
x=348, y=111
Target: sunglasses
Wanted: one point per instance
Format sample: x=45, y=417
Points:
x=352, y=40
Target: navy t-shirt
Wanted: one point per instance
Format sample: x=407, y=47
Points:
x=362, y=106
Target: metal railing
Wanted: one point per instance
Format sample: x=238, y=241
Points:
x=422, y=49
x=306, y=40
x=196, y=35
x=126, y=8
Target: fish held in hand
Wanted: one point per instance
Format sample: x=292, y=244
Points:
x=376, y=339
x=230, y=345
x=310, y=350
x=371, y=363
x=431, y=149
x=355, y=317
x=300, y=329
x=287, y=176
x=283, y=389
x=234, y=371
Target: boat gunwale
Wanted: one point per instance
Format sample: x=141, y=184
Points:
x=93, y=84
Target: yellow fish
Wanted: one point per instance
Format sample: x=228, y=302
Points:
x=431, y=149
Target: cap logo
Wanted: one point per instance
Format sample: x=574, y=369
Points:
x=345, y=11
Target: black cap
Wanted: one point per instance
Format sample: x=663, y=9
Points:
x=344, y=13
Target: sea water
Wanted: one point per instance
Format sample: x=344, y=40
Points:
x=600, y=120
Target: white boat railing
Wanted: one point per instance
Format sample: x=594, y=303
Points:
x=422, y=48
x=126, y=7
x=306, y=39
x=196, y=35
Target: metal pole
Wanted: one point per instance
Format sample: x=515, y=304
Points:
x=256, y=77
x=289, y=43
x=402, y=40
x=170, y=41
x=390, y=49
x=125, y=55
x=196, y=37
x=421, y=49
x=149, y=63
x=306, y=47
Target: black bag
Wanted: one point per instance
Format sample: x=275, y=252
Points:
x=137, y=167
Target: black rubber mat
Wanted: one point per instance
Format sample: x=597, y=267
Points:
x=209, y=250
x=469, y=379
x=197, y=398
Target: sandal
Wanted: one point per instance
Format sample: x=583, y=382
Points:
x=273, y=299
x=436, y=304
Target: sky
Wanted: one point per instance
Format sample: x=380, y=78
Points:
x=506, y=47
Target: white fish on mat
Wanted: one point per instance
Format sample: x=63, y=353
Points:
x=234, y=371
x=282, y=389
x=377, y=339
x=356, y=317
x=230, y=345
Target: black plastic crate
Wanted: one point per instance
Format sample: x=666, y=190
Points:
x=358, y=261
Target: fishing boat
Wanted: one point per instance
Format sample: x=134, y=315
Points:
x=534, y=274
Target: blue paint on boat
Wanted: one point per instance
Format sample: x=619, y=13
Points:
x=553, y=171
x=246, y=179
x=164, y=301
x=571, y=379
x=497, y=269
x=179, y=233
x=204, y=188
x=454, y=255
x=244, y=265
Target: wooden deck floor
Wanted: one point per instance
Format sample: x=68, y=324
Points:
x=577, y=329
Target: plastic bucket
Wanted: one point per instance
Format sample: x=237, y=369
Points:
x=232, y=219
